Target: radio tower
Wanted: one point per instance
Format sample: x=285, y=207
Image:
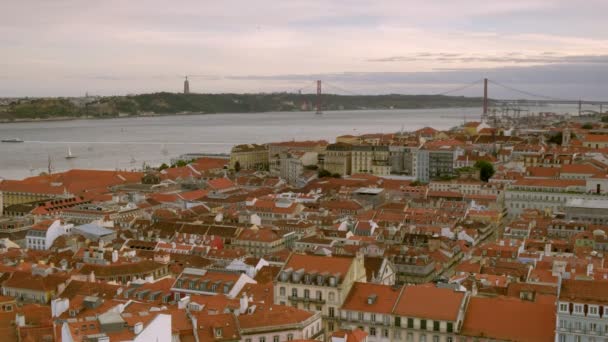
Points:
x=186, y=86
x=319, y=97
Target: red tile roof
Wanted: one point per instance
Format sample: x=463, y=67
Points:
x=330, y=264
x=385, y=298
x=509, y=319
x=430, y=302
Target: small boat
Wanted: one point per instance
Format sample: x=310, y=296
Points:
x=12, y=140
x=70, y=155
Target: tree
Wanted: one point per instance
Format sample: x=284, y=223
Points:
x=605, y=118
x=163, y=166
x=587, y=125
x=237, y=166
x=180, y=163
x=336, y=175
x=486, y=169
x=323, y=174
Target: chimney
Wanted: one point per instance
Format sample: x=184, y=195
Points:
x=138, y=328
x=548, y=249
x=20, y=320
x=244, y=301
x=114, y=256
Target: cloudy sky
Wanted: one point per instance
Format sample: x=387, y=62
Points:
x=557, y=48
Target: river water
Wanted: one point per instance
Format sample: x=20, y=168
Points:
x=129, y=142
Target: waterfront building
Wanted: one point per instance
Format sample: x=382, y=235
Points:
x=249, y=157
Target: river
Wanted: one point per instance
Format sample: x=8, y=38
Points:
x=127, y=143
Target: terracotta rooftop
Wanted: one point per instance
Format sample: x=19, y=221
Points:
x=430, y=302
x=382, y=298
x=509, y=319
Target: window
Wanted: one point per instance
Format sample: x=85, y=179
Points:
x=306, y=294
x=319, y=295
x=373, y=317
x=262, y=339
x=450, y=327
x=578, y=308
x=248, y=340
x=294, y=292
x=423, y=324
x=422, y=338
x=385, y=332
x=410, y=337
x=397, y=321
x=563, y=307
x=331, y=312
x=275, y=338
x=435, y=338
x=593, y=310
x=289, y=337
x=410, y=323
x=332, y=296
x=360, y=316
x=330, y=326
x=282, y=291
x=435, y=326
x=372, y=331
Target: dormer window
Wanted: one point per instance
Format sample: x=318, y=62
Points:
x=218, y=332
x=563, y=307
x=578, y=308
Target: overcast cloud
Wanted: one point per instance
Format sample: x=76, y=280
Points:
x=68, y=47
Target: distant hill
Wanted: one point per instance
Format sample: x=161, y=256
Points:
x=171, y=103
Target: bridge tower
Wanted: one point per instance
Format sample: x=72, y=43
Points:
x=319, y=97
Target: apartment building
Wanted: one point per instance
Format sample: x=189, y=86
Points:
x=582, y=311
x=249, y=157
x=275, y=149
x=259, y=241
x=429, y=313
x=338, y=158
x=550, y=195
x=318, y=283
x=369, y=307
x=372, y=159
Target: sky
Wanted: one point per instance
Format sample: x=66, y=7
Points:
x=553, y=48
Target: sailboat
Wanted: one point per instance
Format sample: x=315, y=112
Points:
x=70, y=155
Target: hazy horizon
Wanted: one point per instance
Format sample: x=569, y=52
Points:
x=67, y=48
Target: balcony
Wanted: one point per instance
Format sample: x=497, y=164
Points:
x=307, y=299
x=582, y=331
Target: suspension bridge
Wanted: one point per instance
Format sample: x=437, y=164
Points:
x=525, y=98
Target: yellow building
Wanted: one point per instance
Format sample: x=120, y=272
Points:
x=249, y=157
x=371, y=159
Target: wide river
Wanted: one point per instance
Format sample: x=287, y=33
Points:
x=129, y=142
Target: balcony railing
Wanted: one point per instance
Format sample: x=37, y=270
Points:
x=307, y=299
